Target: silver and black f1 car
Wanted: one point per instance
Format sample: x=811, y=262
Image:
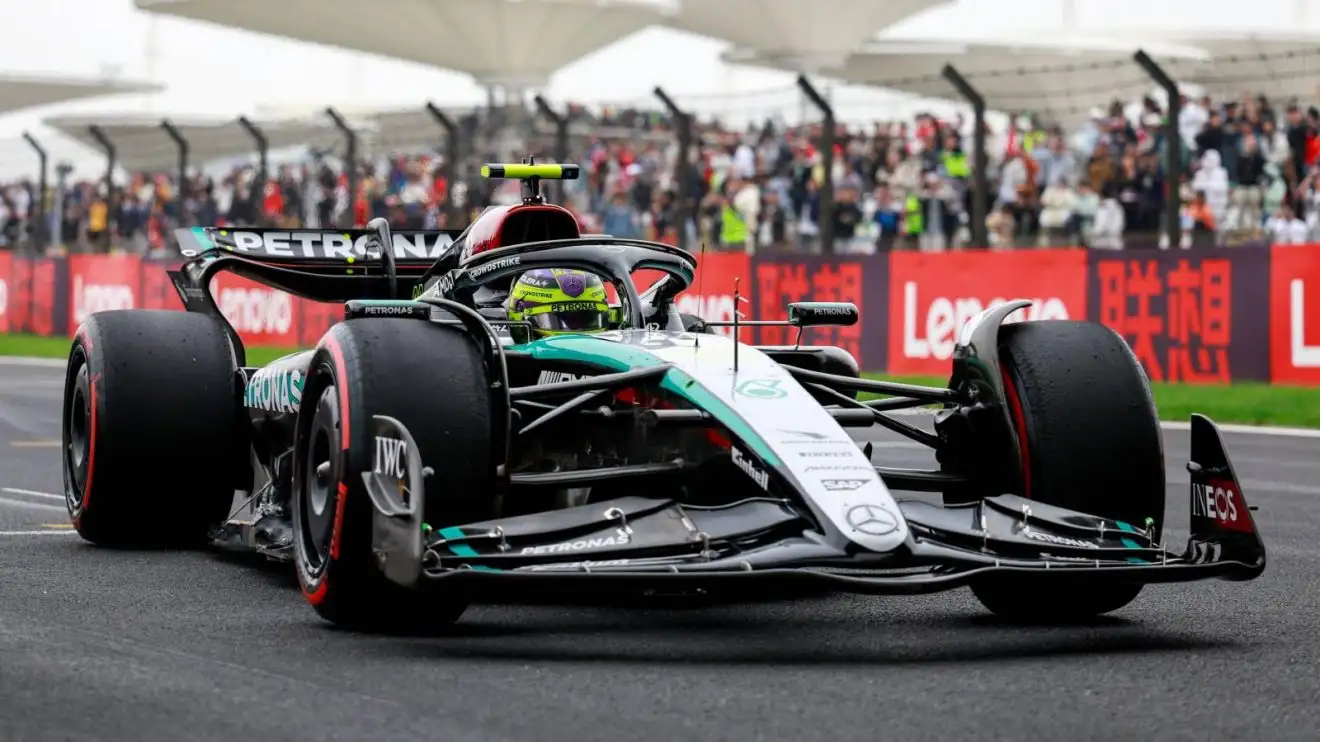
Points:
x=435, y=451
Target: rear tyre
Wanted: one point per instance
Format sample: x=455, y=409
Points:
x=1080, y=401
x=150, y=412
x=433, y=380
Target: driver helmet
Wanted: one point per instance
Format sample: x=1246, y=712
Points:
x=557, y=301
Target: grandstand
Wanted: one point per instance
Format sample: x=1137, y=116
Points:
x=1077, y=137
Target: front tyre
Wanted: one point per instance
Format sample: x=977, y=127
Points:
x=433, y=380
x=1091, y=442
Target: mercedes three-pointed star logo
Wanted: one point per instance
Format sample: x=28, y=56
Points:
x=873, y=520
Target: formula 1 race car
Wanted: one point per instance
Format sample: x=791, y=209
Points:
x=531, y=423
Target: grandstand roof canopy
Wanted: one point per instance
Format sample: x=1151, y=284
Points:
x=1060, y=78
x=20, y=92
x=514, y=43
x=142, y=144
x=1278, y=65
x=804, y=35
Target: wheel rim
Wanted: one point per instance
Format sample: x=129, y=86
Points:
x=78, y=438
x=317, y=506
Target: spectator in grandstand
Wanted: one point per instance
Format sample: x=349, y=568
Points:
x=620, y=218
x=888, y=217
x=1286, y=228
x=1247, y=196
x=1211, y=182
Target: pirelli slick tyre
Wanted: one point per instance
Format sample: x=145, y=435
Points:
x=150, y=423
x=431, y=379
x=1091, y=441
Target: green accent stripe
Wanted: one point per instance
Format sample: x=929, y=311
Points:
x=624, y=357
x=1129, y=543
x=462, y=550
x=203, y=238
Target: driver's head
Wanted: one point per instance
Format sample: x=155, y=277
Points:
x=559, y=301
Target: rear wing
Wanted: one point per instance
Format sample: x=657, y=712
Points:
x=296, y=247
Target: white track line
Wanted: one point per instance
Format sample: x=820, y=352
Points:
x=32, y=505
x=32, y=493
x=41, y=362
x=1252, y=430
x=51, y=532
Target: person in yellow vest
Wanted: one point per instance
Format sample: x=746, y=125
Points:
x=98, y=220
x=738, y=214
x=733, y=227
x=914, y=220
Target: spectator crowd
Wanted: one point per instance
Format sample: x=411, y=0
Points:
x=1250, y=173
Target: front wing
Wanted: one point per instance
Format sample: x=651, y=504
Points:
x=767, y=545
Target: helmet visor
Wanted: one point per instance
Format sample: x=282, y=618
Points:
x=569, y=316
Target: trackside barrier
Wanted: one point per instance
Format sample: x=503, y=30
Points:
x=1192, y=316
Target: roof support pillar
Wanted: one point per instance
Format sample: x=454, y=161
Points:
x=39, y=227
x=1173, y=161
x=110, y=161
x=257, y=196
x=683, y=167
x=827, y=151
x=980, y=160
x=182, y=195
x=350, y=164
x=561, y=135
x=453, y=153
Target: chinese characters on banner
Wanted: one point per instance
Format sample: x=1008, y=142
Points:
x=932, y=295
x=1181, y=313
x=1212, y=316
x=781, y=281
x=1295, y=314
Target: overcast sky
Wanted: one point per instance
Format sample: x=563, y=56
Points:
x=212, y=70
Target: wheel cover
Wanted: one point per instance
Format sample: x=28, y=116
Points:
x=317, y=503
x=77, y=435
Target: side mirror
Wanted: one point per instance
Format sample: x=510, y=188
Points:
x=816, y=313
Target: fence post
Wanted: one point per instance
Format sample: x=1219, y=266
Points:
x=682, y=168
x=351, y=142
x=827, y=150
x=110, y=161
x=39, y=227
x=980, y=161
x=182, y=144
x=1173, y=164
x=258, y=194
x=561, y=135
x=452, y=155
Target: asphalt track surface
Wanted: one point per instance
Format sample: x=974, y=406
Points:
x=104, y=645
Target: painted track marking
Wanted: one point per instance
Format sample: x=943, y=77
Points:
x=32, y=493
x=30, y=504
x=46, y=443
x=39, y=533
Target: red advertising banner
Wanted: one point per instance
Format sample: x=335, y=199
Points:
x=781, y=280
x=6, y=274
x=1295, y=314
x=932, y=295
x=157, y=290
x=711, y=294
x=1193, y=317
x=100, y=283
x=260, y=314
x=315, y=318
